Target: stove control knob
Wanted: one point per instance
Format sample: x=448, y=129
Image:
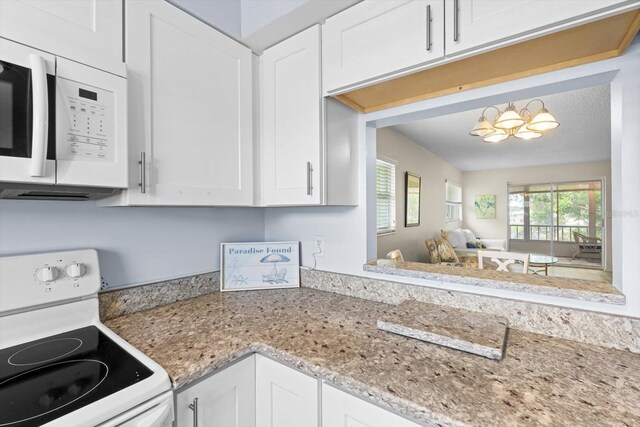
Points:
x=75, y=270
x=47, y=274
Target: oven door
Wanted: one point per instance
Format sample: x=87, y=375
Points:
x=157, y=412
x=27, y=114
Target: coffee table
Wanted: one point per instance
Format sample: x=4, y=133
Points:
x=541, y=263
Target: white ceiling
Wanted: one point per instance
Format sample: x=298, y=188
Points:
x=584, y=135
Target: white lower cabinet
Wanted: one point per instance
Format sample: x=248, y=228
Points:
x=284, y=396
x=340, y=409
x=259, y=392
x=226, y=399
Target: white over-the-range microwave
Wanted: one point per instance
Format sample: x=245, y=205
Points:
x=63, y=127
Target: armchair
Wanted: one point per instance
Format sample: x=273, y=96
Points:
x=586, y=244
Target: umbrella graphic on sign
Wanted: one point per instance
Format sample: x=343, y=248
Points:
x=274, y=275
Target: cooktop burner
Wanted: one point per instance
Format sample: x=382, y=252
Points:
x=48, y=378
x=46, y=351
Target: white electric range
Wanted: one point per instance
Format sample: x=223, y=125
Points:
x=59, y=365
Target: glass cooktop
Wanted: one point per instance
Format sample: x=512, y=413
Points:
x=45, y=379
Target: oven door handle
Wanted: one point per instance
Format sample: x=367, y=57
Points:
x=40, y=128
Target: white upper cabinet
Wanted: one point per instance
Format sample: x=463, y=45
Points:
x=86, y=31
x=284, y=396
x=377, y=38
x=308, y=145
x=190, y=111
x=225, y=399
x=291, y=114
x=490, y=23
x=340, y=409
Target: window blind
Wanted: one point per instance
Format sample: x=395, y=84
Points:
x=385, y=196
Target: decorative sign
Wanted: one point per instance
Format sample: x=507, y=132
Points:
x=259, y=265
x=485, y=206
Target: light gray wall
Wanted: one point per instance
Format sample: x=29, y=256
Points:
x=135, y=245
x=225, y=15
x=411, y=157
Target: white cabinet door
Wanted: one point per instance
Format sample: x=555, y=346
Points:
x=340, y=409
x=376, y=38
x=226, y=399
x=479, y=23
x=87, y=31
x=291, y=140
x=190, y=109
x=284, y=396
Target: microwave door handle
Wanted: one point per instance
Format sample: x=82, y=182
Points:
x=40, y=131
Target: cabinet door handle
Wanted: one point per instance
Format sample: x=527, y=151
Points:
x=428, y=28
x=194, y=407
x=143, y=172
x=456, y=13
x=309, y=178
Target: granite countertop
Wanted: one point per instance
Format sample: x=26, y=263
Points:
x=586, y=290
x=541, y=380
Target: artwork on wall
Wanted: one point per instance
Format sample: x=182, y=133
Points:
x=485, y=206
x=412, y=200
x=263, y=265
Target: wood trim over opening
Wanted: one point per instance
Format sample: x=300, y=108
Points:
x=580, y=45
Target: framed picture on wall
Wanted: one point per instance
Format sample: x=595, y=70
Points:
x=412, y=200
x=485, y=206
x=259, y=265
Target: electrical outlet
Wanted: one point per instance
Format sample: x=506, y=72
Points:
x=318, y=246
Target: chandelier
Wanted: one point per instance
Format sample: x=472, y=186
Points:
x=510, y=122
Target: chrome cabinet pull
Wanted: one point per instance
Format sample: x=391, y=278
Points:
x=194, y=407
x=456, y=12
x=309, y=178
x=428, y=28
x=143, y=172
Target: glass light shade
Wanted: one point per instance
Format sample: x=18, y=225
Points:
x=482, y=128
x=524, y=133
x=543, y=121
x=509, y=119
x=497, y=136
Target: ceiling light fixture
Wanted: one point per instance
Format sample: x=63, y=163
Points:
x=522, y=125
x=509, y=119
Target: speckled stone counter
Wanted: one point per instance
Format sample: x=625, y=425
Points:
x=590, y=327
x=117, y=302
x=541, y=381
x=586, y=290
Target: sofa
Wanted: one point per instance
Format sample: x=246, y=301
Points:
x=464, y=239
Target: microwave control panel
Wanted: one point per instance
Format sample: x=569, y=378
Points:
x=86, y=125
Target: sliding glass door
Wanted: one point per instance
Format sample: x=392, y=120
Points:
x=564, y=220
